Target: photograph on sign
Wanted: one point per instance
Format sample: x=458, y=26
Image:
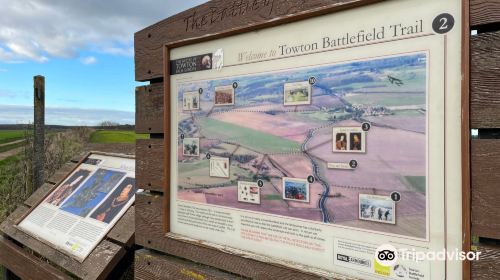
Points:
x=191, y=101
x=81, y=210
x=349, y=140
x=248, y=192
x=224, y=96
x=297, y=93
x=377, y=208
x=191, y=147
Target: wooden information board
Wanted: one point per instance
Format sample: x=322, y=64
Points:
x=307, y=135
x=302, y=141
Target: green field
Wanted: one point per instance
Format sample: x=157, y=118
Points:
x=8, y=147
x=116, y=136
x=386, y=99
x=7, y=136
x=417, y=182
x=248, y=138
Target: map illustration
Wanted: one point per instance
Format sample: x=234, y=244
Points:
x=314, y=140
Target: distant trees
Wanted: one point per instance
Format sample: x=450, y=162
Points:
x=109, y=124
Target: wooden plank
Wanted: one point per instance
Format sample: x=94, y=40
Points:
x=39, y=194
x=216, y=16
x=152, y=265
x=26, y=265
x=149, y=164
x=79, y=156
x=485, y=85
x=97, y=265
x=123, y=231
x=485, y=163
x=149, y=233
x=61, y=173
x=149, y=108
x=487, y=267
x=484, y=12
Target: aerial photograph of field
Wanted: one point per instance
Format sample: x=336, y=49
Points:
x=372, y=110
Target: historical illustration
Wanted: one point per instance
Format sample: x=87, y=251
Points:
x=112, y=206
x=90, y=194
x=325, y=143
x=66, y=188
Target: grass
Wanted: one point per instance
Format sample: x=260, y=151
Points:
x=386, y=99
x=7, y=136
x=248, y=138
x=11, y=146
x=8, y=160
x=273, y=197
x=417, y=182
x=116, y=136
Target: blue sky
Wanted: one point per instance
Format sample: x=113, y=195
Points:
x=85, y=51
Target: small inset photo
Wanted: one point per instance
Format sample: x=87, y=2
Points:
x=219, y=167
x=191, y=101
x=224, y=96
x=248, y=192
x=295, y=189
x=377, y=208
x=297, y=93
x=191, y=147
x=93, y=161
x=349, y=140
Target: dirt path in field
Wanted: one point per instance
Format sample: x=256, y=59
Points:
x=13, y=142
x=10, y=153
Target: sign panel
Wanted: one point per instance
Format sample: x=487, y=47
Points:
x=79, y=212
x=317, y=136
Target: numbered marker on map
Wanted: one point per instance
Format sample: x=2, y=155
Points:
x=395, y=196
x=310, y=179
x=312, y=80
x=260, y=183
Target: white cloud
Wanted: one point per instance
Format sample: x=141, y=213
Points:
x=37, y=30
x=16, y=114
x=89, y=60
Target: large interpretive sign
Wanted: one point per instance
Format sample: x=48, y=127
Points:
x=79, y=212
x=316, y=142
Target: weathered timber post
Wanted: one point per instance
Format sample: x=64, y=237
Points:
x=39, y=131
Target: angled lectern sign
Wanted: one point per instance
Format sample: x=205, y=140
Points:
x=85, y=206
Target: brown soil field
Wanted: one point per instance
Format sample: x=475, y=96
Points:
x=281, y=125
x=390, y=155
x=416, y=123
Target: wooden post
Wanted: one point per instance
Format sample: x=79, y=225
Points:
x=39, y=131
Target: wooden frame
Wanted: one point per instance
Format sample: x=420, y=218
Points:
x=187, y=40
x=465, y=140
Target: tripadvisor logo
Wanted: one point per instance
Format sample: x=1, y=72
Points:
x=386, y=255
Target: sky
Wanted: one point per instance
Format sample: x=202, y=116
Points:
x=85, y=50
